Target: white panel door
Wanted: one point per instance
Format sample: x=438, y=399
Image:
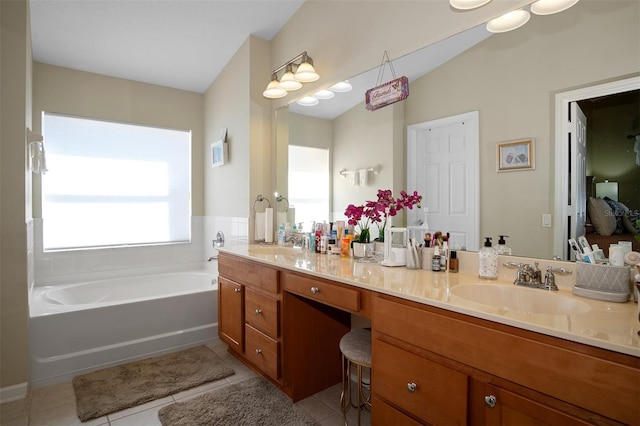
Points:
x=442, y=165
x=578, y=201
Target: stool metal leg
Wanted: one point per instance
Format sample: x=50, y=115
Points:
x=346, y=398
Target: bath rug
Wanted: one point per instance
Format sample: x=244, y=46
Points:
x=116, y=388
x=250, y=402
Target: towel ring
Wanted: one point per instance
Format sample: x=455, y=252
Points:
x=280, y=198
x=260, y=199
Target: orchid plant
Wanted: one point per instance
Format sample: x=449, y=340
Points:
x=379, y=211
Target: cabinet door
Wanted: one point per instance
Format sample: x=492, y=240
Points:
x=231, y=317
x=502, y=407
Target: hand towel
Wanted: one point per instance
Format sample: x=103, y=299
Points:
x=268, y=225
x=260, y=226
x=363, y=177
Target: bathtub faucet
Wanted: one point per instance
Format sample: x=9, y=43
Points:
x=212, y=258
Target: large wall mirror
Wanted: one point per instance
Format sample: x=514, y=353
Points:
x=511, y=80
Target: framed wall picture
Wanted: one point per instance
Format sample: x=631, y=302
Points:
x=219, y=153
x=515, y=155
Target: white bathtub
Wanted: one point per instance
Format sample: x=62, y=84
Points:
x=80, y=327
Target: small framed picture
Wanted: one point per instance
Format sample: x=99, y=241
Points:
x=218, y=153
x=515, y=155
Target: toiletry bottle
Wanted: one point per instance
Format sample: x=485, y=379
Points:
x=319, y=228
x=444, y=255
x=435, y=265
x=346, y=244
x=502, y=248
x=488, y=261
x=281, y=235
x=453, y=261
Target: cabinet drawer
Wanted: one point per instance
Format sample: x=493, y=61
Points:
x=262, y=351
x=383, y=414
x=439, y=395
x=262, y=312
x=248, y=273
x=323, y=291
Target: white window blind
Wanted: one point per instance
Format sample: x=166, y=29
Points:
x=309, y=183
x=112, y=184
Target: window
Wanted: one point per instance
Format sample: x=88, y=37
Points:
x=309, y=184
x=112, y=184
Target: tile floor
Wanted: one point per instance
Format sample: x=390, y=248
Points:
x=55, y=405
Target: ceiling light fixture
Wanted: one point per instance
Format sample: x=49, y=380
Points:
x=341, y=87
x=467, y=4
x=549, y=7
x=296, y=71
x=509, y=21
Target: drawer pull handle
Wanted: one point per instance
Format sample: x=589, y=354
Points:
x=258, y=351
x=258, y=311
x=411, y=387
x=490, y=401
x=314, y=290
x=237, y=290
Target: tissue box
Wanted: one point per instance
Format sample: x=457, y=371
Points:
x=604, y=278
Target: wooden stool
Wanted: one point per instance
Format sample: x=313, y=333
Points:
x=355, y=347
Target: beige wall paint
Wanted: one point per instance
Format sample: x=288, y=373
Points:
x=234, y=100
x=512, y=80
x=67, y=91
x=15, y=83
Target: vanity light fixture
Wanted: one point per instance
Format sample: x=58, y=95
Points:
x=341, y=87
x=509, y=21
x=273, y=90
x=549, y=7
x=308, y=101
x=323, y=94
x=467, y=4
x=288, y=81
x=296, y=71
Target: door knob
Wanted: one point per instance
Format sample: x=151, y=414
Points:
x=258, y=351
x=237, y=290
x=258, y=311
x=411, y=387
x=314, y=290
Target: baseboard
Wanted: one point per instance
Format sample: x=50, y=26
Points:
x=13, y=393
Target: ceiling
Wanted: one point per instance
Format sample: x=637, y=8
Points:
x=183, y=44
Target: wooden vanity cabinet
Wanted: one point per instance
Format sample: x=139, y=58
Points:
x=231, y=310
x=249, y=310
x=533, y=378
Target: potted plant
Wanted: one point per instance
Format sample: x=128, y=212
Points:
x=386, y=206
x=377, y=212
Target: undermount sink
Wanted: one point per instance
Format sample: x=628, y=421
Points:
x=520, y=299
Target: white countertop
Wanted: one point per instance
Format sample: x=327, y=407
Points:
x=607, y=325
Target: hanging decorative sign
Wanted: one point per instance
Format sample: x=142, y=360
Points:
x=387, y=94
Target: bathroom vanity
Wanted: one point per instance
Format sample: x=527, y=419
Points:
x=439, y=357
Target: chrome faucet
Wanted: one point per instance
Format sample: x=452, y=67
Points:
x=531, y=276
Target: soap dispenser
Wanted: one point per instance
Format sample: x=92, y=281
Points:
x=502, y=248
x=488, y=261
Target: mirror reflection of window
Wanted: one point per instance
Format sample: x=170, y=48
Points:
x=309, y=184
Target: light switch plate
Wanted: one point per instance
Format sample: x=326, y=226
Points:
x=546, y=220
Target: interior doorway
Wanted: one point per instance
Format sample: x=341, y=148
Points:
x=566, y=203
x=443, y=166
